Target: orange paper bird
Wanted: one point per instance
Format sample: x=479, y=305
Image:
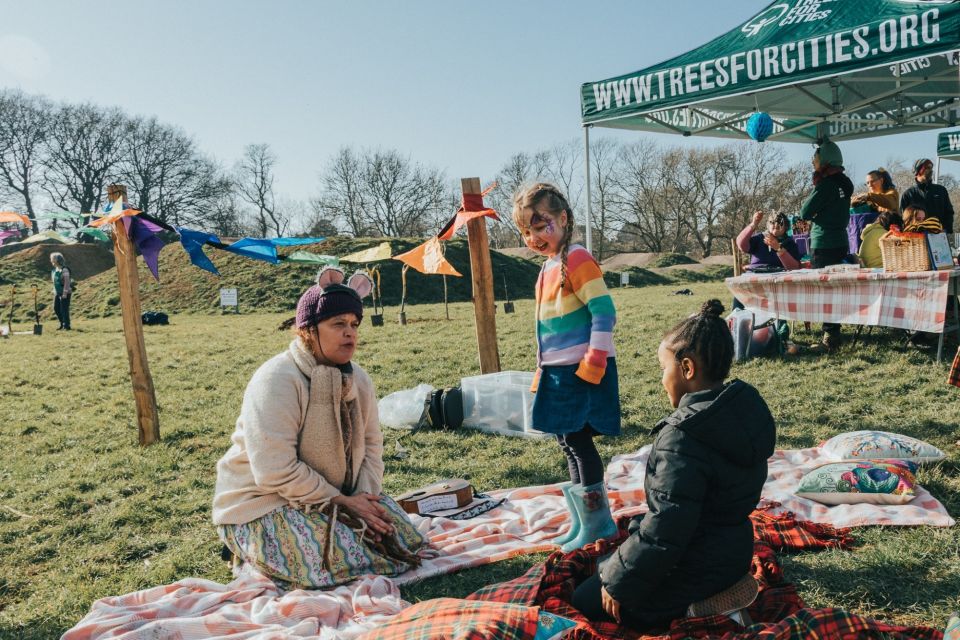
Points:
x=428, y=258
x=10, y=216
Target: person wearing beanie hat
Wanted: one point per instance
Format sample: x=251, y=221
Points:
x=307, y=458
x=924, y=194
x=828, y=210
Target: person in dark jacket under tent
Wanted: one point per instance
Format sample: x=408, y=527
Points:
x=703, y=479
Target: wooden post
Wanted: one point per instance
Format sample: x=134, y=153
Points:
x=148, y=423
x=481, y=270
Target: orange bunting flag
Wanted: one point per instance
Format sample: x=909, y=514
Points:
x=116, y=212
x=428, y=258
x=10, y=216
x=471, y=207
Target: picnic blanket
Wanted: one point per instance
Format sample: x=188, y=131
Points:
x=778, y=612
x=251, y=606
x=532, y=516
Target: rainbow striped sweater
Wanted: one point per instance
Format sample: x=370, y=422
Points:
x=575, y=324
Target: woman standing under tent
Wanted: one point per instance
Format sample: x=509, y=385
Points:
x=828, y=210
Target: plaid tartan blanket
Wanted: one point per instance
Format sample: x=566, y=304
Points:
x=778, y=612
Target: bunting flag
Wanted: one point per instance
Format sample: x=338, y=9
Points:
x=95, y=233
x=12, y=216
x=428, y=258
x=62, y=215
x=8, y=234
x=374, y=254
x=115, y=211
x=471, y=207
x=266, y=248
x=143, y=233
x=193, y=243
x=313, y=258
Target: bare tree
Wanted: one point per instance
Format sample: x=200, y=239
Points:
x=168, y=177
x=254, y=185
x=603, y=157
x=82, y=151
x=24, y=126
x=640, y=196
x=225, y=217
x=383, y=193
x=520, y=169
x=342, y=192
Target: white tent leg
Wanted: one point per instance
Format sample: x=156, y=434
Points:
x=588, y=223
x=936, y=176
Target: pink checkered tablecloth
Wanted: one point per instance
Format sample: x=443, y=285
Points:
x=915, y=301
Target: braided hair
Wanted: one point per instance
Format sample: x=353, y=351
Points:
x=706, y=339
x=524, y=202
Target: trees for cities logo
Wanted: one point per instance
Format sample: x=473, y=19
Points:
x=802, y=11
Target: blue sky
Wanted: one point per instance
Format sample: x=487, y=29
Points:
x=459, y=86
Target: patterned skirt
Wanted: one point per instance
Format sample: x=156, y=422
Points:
x=293, y=547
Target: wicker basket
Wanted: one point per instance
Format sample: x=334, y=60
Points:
x=904, y=252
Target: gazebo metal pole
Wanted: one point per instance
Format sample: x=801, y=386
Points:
x=586, y=155
x=936, y=176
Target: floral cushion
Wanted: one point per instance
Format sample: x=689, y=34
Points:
x=873, y=445
x=869, y=481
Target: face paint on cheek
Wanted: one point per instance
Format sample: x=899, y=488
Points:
x=550, y=227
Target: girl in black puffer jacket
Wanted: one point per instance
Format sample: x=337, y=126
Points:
x=703, y=479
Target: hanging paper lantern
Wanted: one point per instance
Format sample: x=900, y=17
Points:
x=760, y=126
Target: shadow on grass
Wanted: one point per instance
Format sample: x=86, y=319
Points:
x=876, y=587
x=43, y=630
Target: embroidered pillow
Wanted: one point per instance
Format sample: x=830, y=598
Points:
x=873, y=445
x=870, y=482
x=550, y=626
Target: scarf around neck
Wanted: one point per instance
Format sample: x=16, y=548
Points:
x=332, y=411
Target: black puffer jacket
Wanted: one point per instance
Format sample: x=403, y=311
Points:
x=703, y=479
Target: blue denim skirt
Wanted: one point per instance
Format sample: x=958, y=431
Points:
x=565, y=403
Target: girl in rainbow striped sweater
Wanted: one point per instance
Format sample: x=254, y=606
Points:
x=577, y=394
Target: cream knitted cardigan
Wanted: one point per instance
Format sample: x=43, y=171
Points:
x=288, y=445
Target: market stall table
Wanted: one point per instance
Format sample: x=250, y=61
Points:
x=915, y=301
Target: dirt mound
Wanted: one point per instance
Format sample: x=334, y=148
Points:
x=623, y=261
x=84, y=260
x=519, y=252
x=722, y=259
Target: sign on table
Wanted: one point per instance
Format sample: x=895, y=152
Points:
x=228, y=298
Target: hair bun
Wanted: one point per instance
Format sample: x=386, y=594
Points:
x=712, y=307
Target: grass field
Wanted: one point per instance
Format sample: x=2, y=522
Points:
x=85, y=513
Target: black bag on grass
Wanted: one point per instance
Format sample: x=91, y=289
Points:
x=154, y=317
x=445, y=408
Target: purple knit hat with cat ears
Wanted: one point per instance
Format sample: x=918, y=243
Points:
x=329, y=297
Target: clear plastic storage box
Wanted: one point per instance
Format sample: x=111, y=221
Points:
x=499, y=403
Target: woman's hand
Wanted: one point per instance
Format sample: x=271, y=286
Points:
x=610, y=605
x=771, y=241
x=367, y=507
x=757, y=219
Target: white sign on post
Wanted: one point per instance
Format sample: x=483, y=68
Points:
x=624, y=278
x=228, y=298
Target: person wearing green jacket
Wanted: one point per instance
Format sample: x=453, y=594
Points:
x=828, y=210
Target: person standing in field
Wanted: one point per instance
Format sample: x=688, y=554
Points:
x=828, y=210
x=62, y=289
x=577, y=393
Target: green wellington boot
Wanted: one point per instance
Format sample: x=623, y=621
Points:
x=593, y=510
x=566, y=487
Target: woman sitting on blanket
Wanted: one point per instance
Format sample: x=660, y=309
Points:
x=703, y=479
x=298, y=494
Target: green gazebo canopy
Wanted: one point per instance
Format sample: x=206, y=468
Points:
x=837, y=69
